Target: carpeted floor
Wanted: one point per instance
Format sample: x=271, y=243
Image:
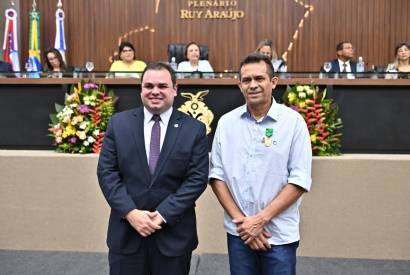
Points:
x=81, y=263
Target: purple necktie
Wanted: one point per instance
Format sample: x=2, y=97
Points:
x=154, y=147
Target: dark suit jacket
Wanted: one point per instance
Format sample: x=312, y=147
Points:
x=5, y=67
x=336, y=68
x=180, y=177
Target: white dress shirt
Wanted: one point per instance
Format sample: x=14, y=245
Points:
x=148, y=123
x=163, y=124
x=348, y=68
x=349, y=74
x=203, y=66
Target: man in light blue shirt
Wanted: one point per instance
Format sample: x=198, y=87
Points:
x=260, y=167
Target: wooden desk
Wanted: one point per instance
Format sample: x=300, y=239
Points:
x=375, y=112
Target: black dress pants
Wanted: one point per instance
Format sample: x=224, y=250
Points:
x=148, y=261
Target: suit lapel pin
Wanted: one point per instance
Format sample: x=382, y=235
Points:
x=176, y=125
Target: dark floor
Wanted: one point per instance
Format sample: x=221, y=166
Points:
x=82, y=263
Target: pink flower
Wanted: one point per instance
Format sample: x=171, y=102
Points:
x=90, y=85
x=83, y=109
x=73, y=140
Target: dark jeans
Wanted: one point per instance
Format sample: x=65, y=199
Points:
x=278, y=260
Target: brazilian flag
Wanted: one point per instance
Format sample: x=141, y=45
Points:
x=34, y=63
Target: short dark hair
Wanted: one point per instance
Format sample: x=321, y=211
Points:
x=401, y=45
x=159, y=66
x=187, y=46
x=123, y=45
x=257, y=58
x=339, y=45
x=59, y=57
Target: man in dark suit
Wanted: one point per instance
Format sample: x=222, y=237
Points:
x=152, y=167
x=344, y=62
x=5, y=67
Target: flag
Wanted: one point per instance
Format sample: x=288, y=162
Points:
x=59, y=43
x=34, y=43
x=10, y=44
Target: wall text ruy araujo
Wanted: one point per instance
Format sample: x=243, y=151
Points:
x=208, y=9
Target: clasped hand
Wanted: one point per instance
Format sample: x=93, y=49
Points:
x=145, y=222
x=252, y=232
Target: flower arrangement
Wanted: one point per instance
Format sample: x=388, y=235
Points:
x=321, y=116
x=79, y=126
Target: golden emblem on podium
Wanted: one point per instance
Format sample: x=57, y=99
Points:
x=196, y=108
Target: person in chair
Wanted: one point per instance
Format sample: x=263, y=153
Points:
x=54, y=63
x=127, y=65
x=344, y=62
x=193, y=63
x=267, y=48
x=400, y=68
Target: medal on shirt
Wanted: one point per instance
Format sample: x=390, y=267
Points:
x=266, y=140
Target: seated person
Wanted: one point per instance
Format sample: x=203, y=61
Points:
x=5, y=68
x=55, y=62
x=401, y=65
x=266, y=47
x=193, y=63
x=128, y=63
x=344, y=62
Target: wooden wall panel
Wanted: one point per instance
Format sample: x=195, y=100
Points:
x=94, y=26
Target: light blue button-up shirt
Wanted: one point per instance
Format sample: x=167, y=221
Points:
x=256, y=173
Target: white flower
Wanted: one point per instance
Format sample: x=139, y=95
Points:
x=67, y=110
x=59, y=140
x=86, y=143
x=301, y=95
x=86, y=100
x=306, y=87
x=74, y=105
x=83, y=125
x=74, y=121
x=310, y=91
x=96, y=132
x=90, y=139
x=92, y=99
x=299, y=88
x=66, y=118
x=81, y=135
